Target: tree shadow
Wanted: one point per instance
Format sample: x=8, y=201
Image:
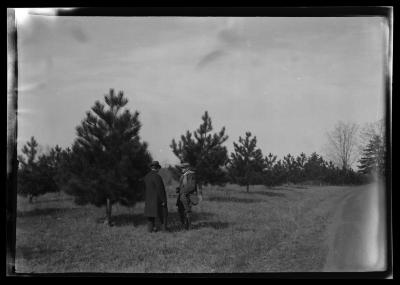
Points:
x=126, y=220
x=29, y=253
x=301, y=186
x=41, y=212
x=288, y=187
x=54, y=200
x=231, y=199
x=269, y=194
x=199, y=220
x=210, y=224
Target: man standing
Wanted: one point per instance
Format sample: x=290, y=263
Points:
x=155, y=199
x=187, y=194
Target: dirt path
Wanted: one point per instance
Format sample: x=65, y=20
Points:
x=355, y=236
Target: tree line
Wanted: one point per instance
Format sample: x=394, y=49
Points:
x=107, y=160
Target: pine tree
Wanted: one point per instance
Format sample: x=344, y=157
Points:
x=246, y=163
x=278, y=173
x=27, y=181
x=300, y=163
x=291, y=168
x=52, y=163
x=315, y=167
x=62, y=158
x=269, y=162
x=108, y=159
x=36, y=174
x=373, y=157
x=204, y=151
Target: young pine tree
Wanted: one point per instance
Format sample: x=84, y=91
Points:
x=300, y=163
x=36, y=174
x=291, y=168
x=269, y=162
x=315, y=168
x=108, y=158
x=204, y=151
x=279, y=174
x=246, y=163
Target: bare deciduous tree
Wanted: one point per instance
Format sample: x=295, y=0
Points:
x=342, y=144
x=371, y=130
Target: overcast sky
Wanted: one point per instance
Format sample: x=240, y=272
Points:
x=287, y=80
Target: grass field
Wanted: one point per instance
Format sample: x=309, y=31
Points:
x=267, y=230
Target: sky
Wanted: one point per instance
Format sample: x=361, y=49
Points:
x=286, y=80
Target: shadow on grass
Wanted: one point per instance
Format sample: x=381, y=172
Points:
x=231, y=199
x=29, y=253
x=126, y=220
x=210, y=224
x=62, y=199
x=288, y=187
x=267, y=193
x=199, y=220
x=42, y=212
x=176, y=225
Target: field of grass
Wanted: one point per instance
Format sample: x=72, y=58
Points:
x=267, y=230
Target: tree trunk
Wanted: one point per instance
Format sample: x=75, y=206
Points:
x=247, y=188
x=30, y=199
x=108, y=212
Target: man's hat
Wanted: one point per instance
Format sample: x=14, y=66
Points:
x=184, y=165
x=155, y=164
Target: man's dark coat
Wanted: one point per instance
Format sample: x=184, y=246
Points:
x=155, y=195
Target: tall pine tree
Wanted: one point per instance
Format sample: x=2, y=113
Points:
x=373, y=157
x=247, y=162
x=108, y=158
x=204, y=151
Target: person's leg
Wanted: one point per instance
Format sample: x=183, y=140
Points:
x=164, y=219
x=188, y=223
x=150, y=224
x=187, y=210
x=181, y=211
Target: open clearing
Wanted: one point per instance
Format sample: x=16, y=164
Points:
x=278, y=229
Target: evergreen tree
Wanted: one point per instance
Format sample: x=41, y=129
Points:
x=27, y=179
x=175, y=172
x=300, y=170
x=204, y=151
x=62, y=158
x=269, y=162
x=108, y=159
x=315, y=168
x=290, y=165
x=246, y=163
x=278, y=173
x=36, y=174
x=331, y=173
x=373, y=157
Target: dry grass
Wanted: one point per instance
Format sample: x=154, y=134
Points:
x=266, y=230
